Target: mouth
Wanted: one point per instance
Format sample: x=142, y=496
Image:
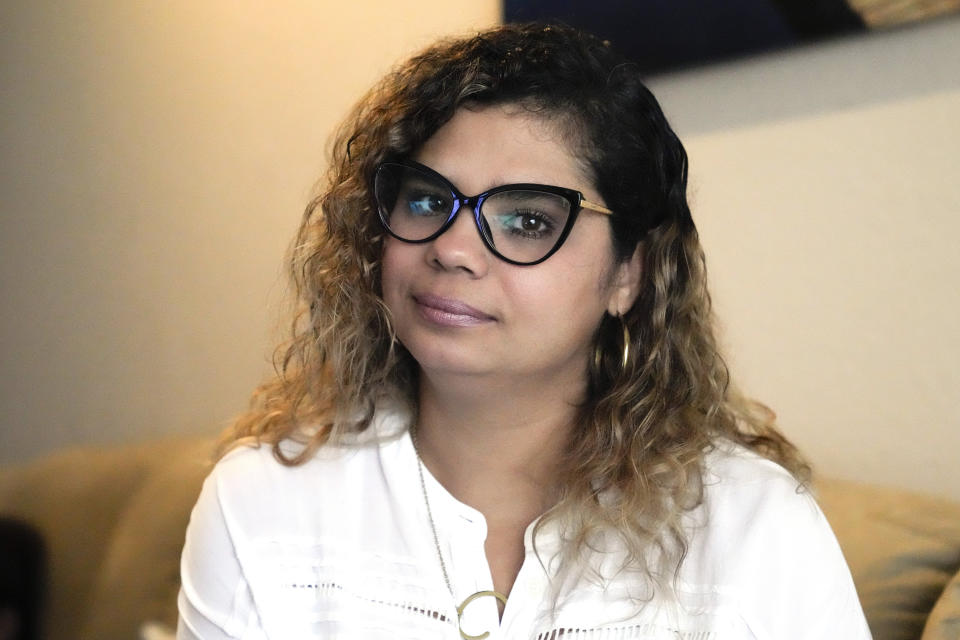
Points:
x=450, y=312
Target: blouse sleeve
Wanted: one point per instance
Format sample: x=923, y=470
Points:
x=215, y=601
x=795, y=583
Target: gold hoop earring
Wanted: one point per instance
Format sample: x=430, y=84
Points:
x=626, y=344
x=625, y=356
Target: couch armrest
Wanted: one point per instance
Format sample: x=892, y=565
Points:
x=87, y=503
x=944, y=620
x=139, y=578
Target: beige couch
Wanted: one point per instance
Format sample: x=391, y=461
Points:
x=113, y=520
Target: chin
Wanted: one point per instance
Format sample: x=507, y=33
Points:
x=448, y=366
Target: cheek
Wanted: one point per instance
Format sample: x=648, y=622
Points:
x=391, y=273
x=569, y=296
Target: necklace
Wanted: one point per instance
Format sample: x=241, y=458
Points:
x=443, y=565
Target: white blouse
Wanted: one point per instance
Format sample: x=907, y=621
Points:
x=341, y=548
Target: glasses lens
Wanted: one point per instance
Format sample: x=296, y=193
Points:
x=413, y=204
x=524, y=225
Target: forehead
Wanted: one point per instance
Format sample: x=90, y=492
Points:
x=483, y=147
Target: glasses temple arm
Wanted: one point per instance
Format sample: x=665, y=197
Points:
x=586, y=204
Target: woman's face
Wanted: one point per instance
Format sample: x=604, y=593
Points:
x=459, y=309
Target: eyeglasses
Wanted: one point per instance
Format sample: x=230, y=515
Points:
x=523, y=224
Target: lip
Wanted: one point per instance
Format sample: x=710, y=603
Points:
x=449, y=312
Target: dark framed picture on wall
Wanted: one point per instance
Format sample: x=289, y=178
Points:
x=665, y=35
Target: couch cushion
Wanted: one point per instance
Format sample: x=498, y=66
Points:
x=902, y=548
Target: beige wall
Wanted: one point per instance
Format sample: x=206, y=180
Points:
x=837, y=270
x=826, y=185
x=156, y=157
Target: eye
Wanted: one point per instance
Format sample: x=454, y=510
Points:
x=525, y=216
x=529, y=224
x=427, y=204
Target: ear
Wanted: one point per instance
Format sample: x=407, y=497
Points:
x=625, y=286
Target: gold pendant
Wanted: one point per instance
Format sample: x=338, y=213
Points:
x=463, y=605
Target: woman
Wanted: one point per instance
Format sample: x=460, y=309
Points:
x=503, y=413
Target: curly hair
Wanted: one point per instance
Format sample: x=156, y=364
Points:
x=644, y=429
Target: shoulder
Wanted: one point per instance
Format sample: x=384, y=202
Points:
x=733, y=464
x=739, y=482
x=761, y=536
x=756, y=509
x=255, y=481
x=254, y=488
x=249, y=466
x=251, y=471
x=251, y=490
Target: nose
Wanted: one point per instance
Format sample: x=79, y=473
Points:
x=460, y=247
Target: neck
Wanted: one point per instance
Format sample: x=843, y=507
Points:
x=495, y=447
